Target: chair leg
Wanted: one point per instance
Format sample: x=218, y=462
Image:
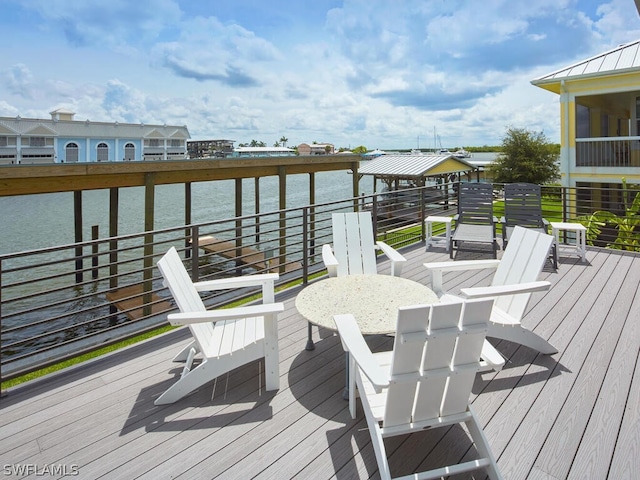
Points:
x=193, y=380
x=482, y=445
x=271, y=357
x=184, y=353
x=271, y=371
x=378, y=447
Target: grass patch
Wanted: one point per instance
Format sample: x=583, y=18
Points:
x=84, y=357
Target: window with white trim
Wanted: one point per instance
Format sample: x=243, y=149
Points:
x=103, y=152
x=71, y=152
x=129, y=151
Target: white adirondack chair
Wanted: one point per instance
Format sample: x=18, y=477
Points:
x=225, y=338
x=354, y=248
x=425, y=382
x=515, y=278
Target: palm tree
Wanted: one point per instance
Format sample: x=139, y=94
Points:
x=284, y=140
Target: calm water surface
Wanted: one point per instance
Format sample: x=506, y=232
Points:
x=38, y=221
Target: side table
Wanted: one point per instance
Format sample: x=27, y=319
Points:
x=431, y=239
x=580, y=245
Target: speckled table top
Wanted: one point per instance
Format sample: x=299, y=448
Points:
x=372, y=299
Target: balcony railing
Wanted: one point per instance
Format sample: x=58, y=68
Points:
x=58, y=302
x=608, y=152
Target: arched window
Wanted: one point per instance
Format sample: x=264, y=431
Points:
x=129, y=152
x=103, y=152
x=71, y=153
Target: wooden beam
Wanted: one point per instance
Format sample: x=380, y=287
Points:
x=33, y=179
x=149, y=221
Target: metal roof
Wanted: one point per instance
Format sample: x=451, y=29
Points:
x=408, y=166
x=620, y=59
x=86, y=128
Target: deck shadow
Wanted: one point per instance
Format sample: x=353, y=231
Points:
x=235, y=400
x=523, y=367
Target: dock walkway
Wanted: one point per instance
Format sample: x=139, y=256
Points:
x=248, y=256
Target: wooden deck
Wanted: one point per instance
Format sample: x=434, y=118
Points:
x=575, y=414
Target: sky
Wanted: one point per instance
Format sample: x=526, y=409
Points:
x=383, y=74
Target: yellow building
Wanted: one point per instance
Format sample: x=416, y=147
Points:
x=600, y=121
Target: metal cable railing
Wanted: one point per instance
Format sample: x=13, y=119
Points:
x=58, y=302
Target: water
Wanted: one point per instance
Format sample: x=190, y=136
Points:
x=46, y=220
x=40, y=221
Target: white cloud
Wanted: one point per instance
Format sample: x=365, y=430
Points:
x=354, y=72
x=18, y=79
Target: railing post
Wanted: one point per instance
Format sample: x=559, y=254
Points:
x=77, y=216
x=187, y=217
x=147, y=261
x=374, y=219
x=195, y=253
x=306, y=246
x=423, y=234
x=113, y=244
x=282, y=224
x=257, y=209
x=238, y=229
x=94, y=251
x=312, y=231
x=374, y=210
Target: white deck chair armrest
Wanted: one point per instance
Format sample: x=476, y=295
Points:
x=330, y=260
x=235, y=282
x=397, y=260
x=436, y=269
x=462, y=265
x=491, y=359
x=529, y=287
x=354, y=343
x=225, y=314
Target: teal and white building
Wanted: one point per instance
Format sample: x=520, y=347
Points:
x=62, y=139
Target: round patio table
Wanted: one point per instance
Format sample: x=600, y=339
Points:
x=372, y=299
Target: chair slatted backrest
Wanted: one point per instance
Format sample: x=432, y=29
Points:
x=523, y=205
x=475, y=203
x=522, y=262
x=436, y=355
x=186, y=296
x=353, y=243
